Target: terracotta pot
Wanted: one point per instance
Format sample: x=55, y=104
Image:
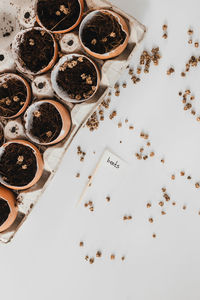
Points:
x=81, y=2
x=117, y=51
x=19, y=61
x=59, y=91
x=6, y=76
x=39, y=160
x=9, y=197
x=65, y=116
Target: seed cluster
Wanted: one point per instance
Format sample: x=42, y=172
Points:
x=188, y=99
x=90, y=205
x=147, y=58
x=141, y=155
x=192, y=62
x=81, y=153
x=165, y=34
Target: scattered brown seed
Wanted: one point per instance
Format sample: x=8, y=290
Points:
x=81, y=244
x=164, y=27
x=148, y=205
x=141, y=150
x=174, y=203
x=173, y=177
x=197, y=185
x=190, y=31
x=119, y=125
x=108, y=199
x=86, y=257
x=183, y=74
x=78, y=175
x=113, y=115
x=123, y=258
x=91, y=260
x=198, y=119
x=163, y=212
x=117, y=93
x=184, y=207
x=165, y=36
x=152, y=154
x=154, y=235
x=131, y=127
x=182, y=173
x=196, y=45
x=189, y=177
x=112, y=256
x=150, y=220
x=124, y=85
x=148, y=144
x=98, y=254
x=163, y=190
x=190, y=41
x=162, y=161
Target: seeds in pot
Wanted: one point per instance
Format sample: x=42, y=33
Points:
x=12, y=171
x=77, y=78
x=106, y=30
x=4, y=211
x=13, y=90
x=36, y=50
x=58, y=15
x=46, y=123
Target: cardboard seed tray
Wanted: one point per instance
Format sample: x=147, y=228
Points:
x=12, y=21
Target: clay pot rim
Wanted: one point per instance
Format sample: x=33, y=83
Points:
x=4, y=139
x=39, y=163
x=28, y=97
x=38, y=103
x=109, y=54
x=10, y=199
x=55, y=71
x=15, y=45
x=81, y=3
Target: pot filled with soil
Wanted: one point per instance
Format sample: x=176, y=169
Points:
x=21, y=164
x=15, y=95
x=8, y=208
x=34, y=50
x=104, y=34
x=47, y=122
x=75, y=78
x=59, y=16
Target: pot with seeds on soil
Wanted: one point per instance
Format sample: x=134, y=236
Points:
x=21, y=164
x=75, y=78
x=104, y=34
x=59, y=16
x=15, y=95
x=35, y=51
x=47, y=122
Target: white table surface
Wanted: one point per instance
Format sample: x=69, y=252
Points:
x=45, y=262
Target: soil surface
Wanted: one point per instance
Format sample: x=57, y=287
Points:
x=18, y=165
x=13, y=94
x=4, y=211
x=47, y=123
x=78, y=77
x=58, y=15
x=37, y=50
x=103, y=33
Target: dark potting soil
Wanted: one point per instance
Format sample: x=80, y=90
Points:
x=78, y=77
x=103, y=33
x=18, y=165
x=36, y=50
x=1, y=136
x=13, y=94
x=47, y=123
x=58, y=15
x=4, y=211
